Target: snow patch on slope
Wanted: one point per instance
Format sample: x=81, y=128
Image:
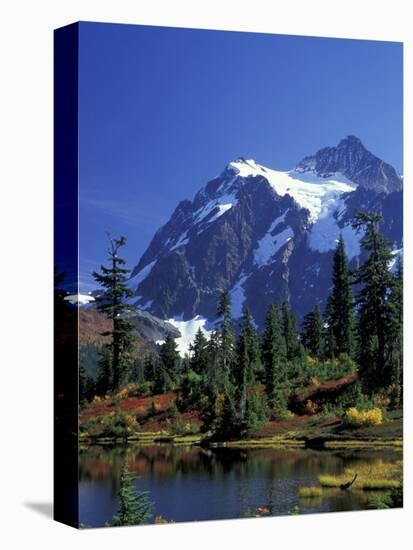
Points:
x=135, y=281
x=325, y=232
x=238, y=296
x=183, y=239
x=188, y=329
x=221, y=204
x=270, y=244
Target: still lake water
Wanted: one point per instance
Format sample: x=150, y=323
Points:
x=191, y=483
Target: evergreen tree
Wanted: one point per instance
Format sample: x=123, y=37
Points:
x=162, y=380
x=340, y=312
x=374, y=306
x=273, y=353
x=149, y=366
x=134, y=507
x=330, y=345
x=226, y=333
x=104, y=381
x=256, y=410
x=313, y=333
x=396, y=336
x=199, y=350
x=289, y=331
x=170, y=357
x=114, y=280
x=250, y=406
x=227, y=423
x=82, y=384
x=137, y=373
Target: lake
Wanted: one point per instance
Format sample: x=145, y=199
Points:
x=193, y=484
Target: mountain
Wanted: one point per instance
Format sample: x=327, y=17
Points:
x=266, y=235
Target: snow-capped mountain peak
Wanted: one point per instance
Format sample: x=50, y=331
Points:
x=264, y=234
x=351, y=159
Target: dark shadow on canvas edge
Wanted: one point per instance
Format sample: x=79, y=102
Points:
x=43, y=508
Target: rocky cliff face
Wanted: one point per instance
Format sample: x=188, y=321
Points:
x=266, y=235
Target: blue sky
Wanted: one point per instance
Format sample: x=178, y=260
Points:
x=162, y=111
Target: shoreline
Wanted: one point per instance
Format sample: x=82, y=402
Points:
x=326, y=443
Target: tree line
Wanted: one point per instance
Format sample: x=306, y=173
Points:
x=239, y=379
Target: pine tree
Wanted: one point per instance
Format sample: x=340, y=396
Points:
x=114, y=280
x=149, y=367
x=137, y=373
x=104, y=381
x=340, y=312
x=396, y=336
x=199, y=353
x=330, y=345
x=134, y=506
x=374, y=307
x=289, y=331
x=162, y=380
x=273, y=353
x=313, y=333
x=170, y=357
x=228, y=419
x=82, y=384
x=226, y=333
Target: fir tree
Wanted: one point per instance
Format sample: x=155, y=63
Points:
x=396, y=336
x=374, y=307
x=273, y=353
x=162, y=381
x=228, y=418
x=340, y=312
x=104, y=381
x=250, y=407
x=226, y=334
x=137, y=373
x=199, y=353
x=114, y=280
x=313, y=333
x=289, y=331
x=170, y=357
x=134, y=507
x=82, y=384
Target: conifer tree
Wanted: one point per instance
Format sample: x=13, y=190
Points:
x=227, y=421
x=82, y=384
x=226, y=333
x=374, y=307
x=273, y=353
x=137, y=373
x=340, y=311
x=104, y=381
x=396, y=335
x=289, y=331
x=161, y=381
x=199, y=353
x=170, y=357
x=135, y=507
x=313, y=333
x=250, y=405
x=114, y=280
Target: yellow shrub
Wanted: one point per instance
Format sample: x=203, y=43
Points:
x=123, y=394
x=310, y=407
x=372, y=417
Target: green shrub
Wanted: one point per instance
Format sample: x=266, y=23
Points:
x=114, y=424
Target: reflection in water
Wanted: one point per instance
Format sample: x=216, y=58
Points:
x=191, y=483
